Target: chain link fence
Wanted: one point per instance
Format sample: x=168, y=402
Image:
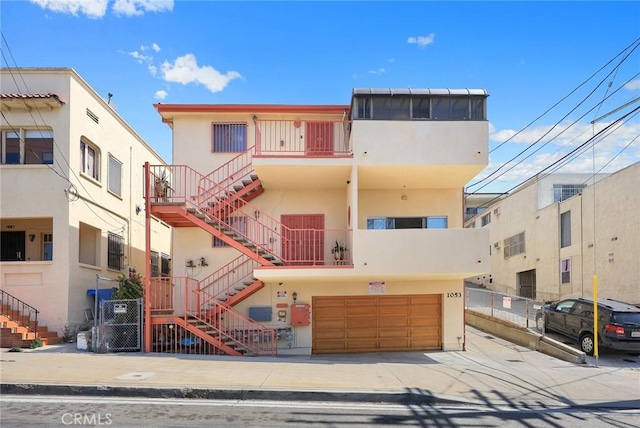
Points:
x=119, y=326
x=515, y=309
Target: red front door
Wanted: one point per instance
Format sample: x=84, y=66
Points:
x=319, y=138
x=303, y=238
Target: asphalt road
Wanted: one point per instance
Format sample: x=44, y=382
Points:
x=41, y=411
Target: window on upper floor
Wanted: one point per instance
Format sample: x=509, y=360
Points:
x=565, y=191
x=514, y=245
x=418, y=107
x=115, y=251
x=565, y=229
x=27, y=147
x=229, y=137
x=486, y=219
x=431, y=222
x=115, y=176
x=89, y=160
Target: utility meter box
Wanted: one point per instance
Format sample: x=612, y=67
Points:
x=300, y=314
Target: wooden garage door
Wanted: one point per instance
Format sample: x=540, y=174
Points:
x=376, y=323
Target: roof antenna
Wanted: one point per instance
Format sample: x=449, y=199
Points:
x=109, y=95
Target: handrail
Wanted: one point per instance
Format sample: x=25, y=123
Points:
x=222, y=281
x=16, y=305
x=226, y=176
x=231, y=327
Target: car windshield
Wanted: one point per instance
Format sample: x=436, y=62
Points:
x=626, y=317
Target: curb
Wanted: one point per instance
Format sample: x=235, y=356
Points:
x=232, y=394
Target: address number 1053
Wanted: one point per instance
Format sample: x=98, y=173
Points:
x=454, y=295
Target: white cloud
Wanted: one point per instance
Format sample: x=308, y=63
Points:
x=421, y=41
x=378, y=71
x=634, y=85
x=153, y=69
x=98, y=8
x=140, y=7
x=140, y=57
x=160, y=95
x=155, y=47
x=185, y=70
x=616, y=150
x=90, y=8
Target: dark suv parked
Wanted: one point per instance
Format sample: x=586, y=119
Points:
x=618, y=323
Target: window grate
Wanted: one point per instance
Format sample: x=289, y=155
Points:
x=115, y=251
x=93, y=116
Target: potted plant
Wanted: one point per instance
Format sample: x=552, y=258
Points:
x=161, y=185
x=338, y=250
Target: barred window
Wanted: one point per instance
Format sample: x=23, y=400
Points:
x=565, y=191
x=514, y=245
x=164, y=267
x=229, y=137
x=115, y=251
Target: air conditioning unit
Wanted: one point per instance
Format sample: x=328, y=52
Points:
x=496, y=245
x=496, y=211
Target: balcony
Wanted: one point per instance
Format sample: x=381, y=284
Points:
x=303, y=153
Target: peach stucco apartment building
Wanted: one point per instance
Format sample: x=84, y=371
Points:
x=305, y=229
x=71, y=186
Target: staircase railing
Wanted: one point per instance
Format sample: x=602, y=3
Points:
x=262, y=233
x=226, y=176
x=18, y=311
x=222, y=281
x=227, y=325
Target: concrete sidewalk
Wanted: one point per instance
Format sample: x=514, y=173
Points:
x=491, y=372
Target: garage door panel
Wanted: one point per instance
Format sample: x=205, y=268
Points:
x=375, y=323
x=329, y=324
x=397, y=311
x=394, y=332
x=362, y=345
x=393, y=322
x=329, y=313
x=362, y=333
x=369, y=322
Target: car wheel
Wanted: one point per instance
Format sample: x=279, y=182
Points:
x=587, y=344
x=540, y=324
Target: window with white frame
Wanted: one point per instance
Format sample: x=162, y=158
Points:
x=430, y=222
x=115, y=176
x=47, y=246
x=229, y=137
x=514, y=245
x=115, y=251
x=89, y=160
x=565, y=271
x=27, y=146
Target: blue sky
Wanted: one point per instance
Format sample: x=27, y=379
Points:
x=527, y=55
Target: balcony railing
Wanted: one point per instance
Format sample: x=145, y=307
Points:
x=302, y=138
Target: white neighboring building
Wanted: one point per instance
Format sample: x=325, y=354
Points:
x=71, y=180
x=546, y=245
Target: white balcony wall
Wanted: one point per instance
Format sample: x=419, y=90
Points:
x=421, y=253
